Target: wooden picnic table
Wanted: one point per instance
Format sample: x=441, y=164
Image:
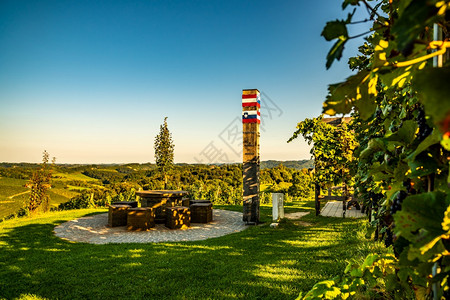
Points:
x=159, y=200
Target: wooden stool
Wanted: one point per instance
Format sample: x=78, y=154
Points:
x=185, y=202
x=140, y=218
x=178, y=217
x=199, y=201
x=117, y=215
x=130, y=203
x=201, y=212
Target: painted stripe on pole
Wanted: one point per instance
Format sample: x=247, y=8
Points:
x=250, y=92
x=251, y=96
x=251, y=121
x=249, y=113
x=256, y=104
x=250, y=100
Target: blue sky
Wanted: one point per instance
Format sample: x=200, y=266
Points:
x=91, y=81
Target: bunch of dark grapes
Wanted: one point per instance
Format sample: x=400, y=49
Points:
x=389, y=240
x=424, y=129
x=397, y=203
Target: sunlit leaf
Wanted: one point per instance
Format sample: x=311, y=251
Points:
x=446, y=221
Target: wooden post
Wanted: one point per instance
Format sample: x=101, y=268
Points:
x=316, y=198
x=251, y=119
x=346, y=196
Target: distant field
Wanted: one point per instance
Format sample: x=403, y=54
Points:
x=76, y=188
x=13, y=195
x=108, y=170
x=9, y=187
x=58, y=196
x=72, y=176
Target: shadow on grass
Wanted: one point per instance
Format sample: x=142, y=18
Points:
x=258, y=263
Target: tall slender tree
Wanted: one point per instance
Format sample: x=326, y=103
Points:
x=40, y=183
x=164, y=149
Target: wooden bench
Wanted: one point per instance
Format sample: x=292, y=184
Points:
x=201, y=212
x=140, y=218
x=178, y=217
x=117, y=215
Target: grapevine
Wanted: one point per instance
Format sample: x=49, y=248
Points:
x=399, y=100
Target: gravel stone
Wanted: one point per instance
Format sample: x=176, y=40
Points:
x=94, y=230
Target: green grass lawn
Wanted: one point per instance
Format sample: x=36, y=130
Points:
x=257, y=263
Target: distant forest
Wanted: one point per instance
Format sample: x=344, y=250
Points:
x=293, y=164
x=82, y=186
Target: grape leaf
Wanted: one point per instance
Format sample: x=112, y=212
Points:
x=341, y=95
x=349, y=2
x=336, y=51
x=430, y=140
x=334, y=30
x=423, y=165
x=411, y=23
x=365, y=101
x=421, y=216
x=433, y=91
x=406, y=133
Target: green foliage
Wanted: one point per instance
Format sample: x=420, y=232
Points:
x=301, y=185
x=336, y=30
x=332, y=149
x=402, y=117
x=292, y=164
x=75, y=187
x=164, y=148
x=40, y=183
x=375, y=278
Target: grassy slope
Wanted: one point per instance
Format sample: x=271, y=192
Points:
x=258, y=263
x=73, y=176
x=13, y=192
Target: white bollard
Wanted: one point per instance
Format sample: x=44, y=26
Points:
x=277, y=206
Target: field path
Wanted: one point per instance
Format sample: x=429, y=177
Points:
x=26, y=192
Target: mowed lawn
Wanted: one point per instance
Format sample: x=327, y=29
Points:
x=257, y=263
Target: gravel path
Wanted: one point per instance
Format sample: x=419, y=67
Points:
x=93, y=230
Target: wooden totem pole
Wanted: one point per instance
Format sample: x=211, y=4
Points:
x=251, y=118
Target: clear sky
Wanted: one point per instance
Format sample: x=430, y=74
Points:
x=91, y=81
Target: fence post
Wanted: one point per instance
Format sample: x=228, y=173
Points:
x=316, y=198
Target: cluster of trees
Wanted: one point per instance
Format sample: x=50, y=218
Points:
x=399, y=100
x=220, y=184
x=109, y=183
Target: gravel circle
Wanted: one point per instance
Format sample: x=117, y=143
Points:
x=94, y=230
